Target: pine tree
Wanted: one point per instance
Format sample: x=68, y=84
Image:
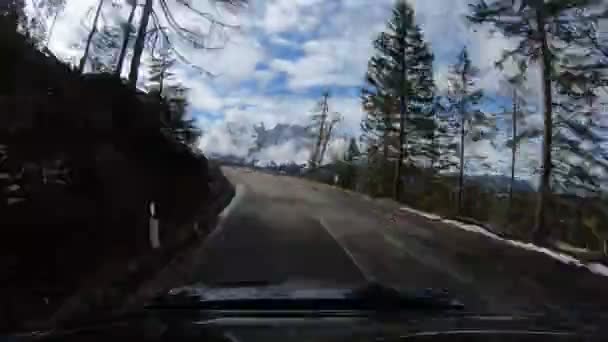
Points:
x=13, y=18
x=160, y=71
x=379, y=135
x=347, y=168
x=127, y=29
x=377, y=126
x=195, y=38
x=514, y=120
x=516, y=88
x=399, y=80
x=177, y=122
x=55, y=8
x=41, y=12
x=13, y=35
x=464, y=96
x=543, y=28
x=138, y=48
x=580, y=162
x=102, y=55
x=89, y=41
x=582, y=72
x=333, y=121
x=445, y=143
x=352, y=153
x=318, y=129
x=421, y=112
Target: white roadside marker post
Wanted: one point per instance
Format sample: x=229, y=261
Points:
x=153, y=227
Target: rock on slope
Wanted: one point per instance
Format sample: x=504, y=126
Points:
x=81, y=159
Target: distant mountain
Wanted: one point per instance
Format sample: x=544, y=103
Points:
x=244, y=143
x=500, y=183
x=279, y=135
x=286, y=144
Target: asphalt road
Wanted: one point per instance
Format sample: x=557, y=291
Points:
x=284, y=229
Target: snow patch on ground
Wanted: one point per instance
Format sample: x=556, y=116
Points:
x=422, y=213
x=597, y=268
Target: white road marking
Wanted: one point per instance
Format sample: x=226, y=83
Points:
x=239, y=193
x=366, y=274
x=429, y=216
x=154, y=227
x=13, y=200
x=596, y=268
x=13, y=187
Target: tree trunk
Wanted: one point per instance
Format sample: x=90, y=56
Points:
x=161, y=81
x=462, y=109
x=85, y=55
x=402, y=113
x=540, y=231
x=138, y=49
x=399, y=166
x=125, y=41
x=317, y=149
x=461, y=176
x=513, y=149
x=435, y=146
x=48, y=38
x=161, y=84
x=153, y=228
x=326, y=141
x=385, y=145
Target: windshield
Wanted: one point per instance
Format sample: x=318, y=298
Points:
x=433, y=147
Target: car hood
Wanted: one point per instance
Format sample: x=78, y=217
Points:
x=298, y=295
x=196, y=313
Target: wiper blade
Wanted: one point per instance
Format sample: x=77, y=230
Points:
x=374, y=297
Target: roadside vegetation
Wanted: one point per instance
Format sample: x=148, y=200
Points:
x=416, y=137
x=88, y=160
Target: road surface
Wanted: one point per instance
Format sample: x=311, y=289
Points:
x=284, y=229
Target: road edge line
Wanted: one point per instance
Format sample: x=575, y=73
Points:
x=239, y=192
x=366, y=274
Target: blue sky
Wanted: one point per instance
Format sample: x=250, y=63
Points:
x=274, y=67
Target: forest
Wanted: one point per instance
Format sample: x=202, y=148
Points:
x=416, y=138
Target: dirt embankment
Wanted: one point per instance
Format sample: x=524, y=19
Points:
x=81, y=159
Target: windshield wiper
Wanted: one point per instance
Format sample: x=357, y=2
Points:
x=373, y=297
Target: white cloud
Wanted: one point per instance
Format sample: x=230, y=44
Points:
x=331, y=41
x=202, y=95
x=204, y=98
x=270, y=110
x=280, y=16
x=332, y=61
x=284, y=153
x=234, y=63
x=441, y=78
x=263, y=77
x=278, y=40
x=287, y=15
x=444, y=25
x=351, y=111
x=227, y=139
x=339, y=55
x=336, y=150
x=68, y=29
